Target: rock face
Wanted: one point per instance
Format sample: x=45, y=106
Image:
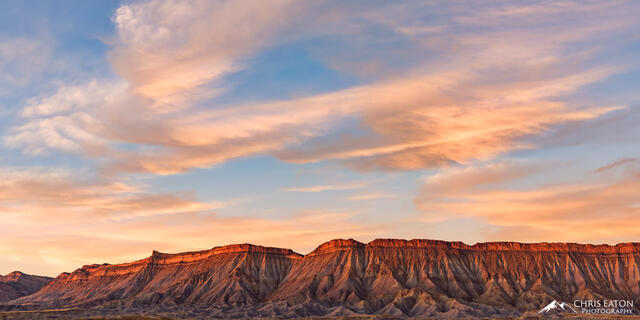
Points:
x=17, y=284
x=345, y=277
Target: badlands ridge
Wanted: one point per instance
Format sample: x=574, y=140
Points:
x=416, y=278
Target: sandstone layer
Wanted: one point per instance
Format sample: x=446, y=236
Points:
x=416, y=278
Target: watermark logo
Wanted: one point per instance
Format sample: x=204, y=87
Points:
x=556, y=306
x=603, y=306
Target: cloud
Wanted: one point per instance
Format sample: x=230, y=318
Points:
x=483, y=99
x=72, y=219
x=74, y=98
x=66, y=119
x=49, y=251
x=617, y=164
x=173, y=51
x=453, y=181
x=370, y=196
x=416, y=124
x=423, y=122
x=448, y=87
x=595, y=208
x=320, y=188
x=34, y=193
x=21, y=59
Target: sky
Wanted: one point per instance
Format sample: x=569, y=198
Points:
x=132, y=126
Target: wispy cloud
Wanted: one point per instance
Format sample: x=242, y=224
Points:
x=555, y=211
x=167, y=52
x=370, y=196
x=417, y=124
x=617, y=164
x=466, y=109
x=320, y=188
x=49, y=250
x=416, y=135
x=21, y=59
x=32, y=193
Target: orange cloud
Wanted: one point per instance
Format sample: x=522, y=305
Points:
x=34, y=193
x=53, y=221
x=417, y=124
x=320, y=188
x=60, y=243
x=170, y=51
x=602, y=208
x=481, y=100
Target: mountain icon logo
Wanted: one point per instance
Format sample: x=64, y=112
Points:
x=556, y=306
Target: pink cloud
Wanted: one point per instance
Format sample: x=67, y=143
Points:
x=171, y=51
x=71, y=223
x=592, y=209
x=486, y=94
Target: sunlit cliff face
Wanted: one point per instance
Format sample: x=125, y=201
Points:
x=181, y=125
x=417, y=278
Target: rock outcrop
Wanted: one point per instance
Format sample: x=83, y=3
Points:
x=17, y=284
x=345, y=277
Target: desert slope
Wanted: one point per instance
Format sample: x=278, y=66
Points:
x=346, y=277
x=230, y=275
x=17, y=284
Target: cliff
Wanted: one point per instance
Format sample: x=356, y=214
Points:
x=345, y=277
x=17, y=284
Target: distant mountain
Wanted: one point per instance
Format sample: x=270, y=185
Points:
x=17, y=284
x=425, y=278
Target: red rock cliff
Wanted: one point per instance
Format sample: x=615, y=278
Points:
x=342, y=277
